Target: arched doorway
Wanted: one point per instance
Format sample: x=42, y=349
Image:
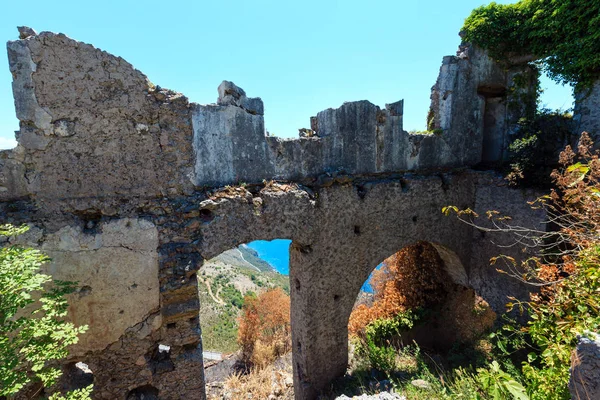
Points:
x=417, y=301
x=245, y=320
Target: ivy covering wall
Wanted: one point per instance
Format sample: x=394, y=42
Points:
x=564, y=35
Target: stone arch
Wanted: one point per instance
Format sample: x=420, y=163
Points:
x=239, y=216
x=452, y=263
x=242, y=217
x=339, y=233
x=451, y=296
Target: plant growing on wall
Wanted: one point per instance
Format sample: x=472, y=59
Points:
x=535, y=150
x=33, y=330
x=563, y=34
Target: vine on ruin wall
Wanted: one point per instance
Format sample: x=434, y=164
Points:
x=566, y=271
x=563, y=34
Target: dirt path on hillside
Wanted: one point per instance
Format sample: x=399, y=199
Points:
x=216, y=299
x=217, y=295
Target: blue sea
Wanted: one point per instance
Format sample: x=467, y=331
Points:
x=277, y=253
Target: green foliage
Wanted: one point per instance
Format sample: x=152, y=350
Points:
x=381, y=330
x=33, y=332
x=535, y=150
x=79, y=394
x=219, y=329
x=551, y=334
x=219, y=333
x=232, y=296
x=567, y=276
x=402, y=366
x=498, y=384
x=486, y=383
x=376, y=348
x=436, y=131
x=563, y=34
x=381, y=357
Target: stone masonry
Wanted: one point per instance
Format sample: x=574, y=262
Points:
x=122, y=184
x=584, y=382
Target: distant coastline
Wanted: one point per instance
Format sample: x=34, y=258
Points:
x=275, y=252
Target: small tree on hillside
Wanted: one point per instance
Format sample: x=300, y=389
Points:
x=264, y=327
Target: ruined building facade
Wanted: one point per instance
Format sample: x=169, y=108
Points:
x=117, y=178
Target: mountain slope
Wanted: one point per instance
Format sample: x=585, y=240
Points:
x=222, y=284
x=244, y=257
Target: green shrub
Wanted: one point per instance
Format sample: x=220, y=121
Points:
x=490, y=382
x=376, y=347
x=33, y=332
x=563, y=34
x=535, y=150
x=381, y=357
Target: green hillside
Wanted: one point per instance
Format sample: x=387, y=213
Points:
x=222, y=284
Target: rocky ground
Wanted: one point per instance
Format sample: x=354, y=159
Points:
x=227, y=380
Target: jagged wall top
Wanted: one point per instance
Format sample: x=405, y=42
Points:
x=93, y=126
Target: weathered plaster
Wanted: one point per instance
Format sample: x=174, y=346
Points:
x=118, y=260
x=26, y=105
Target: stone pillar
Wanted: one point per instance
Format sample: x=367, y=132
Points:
x=181, y=376
x=319, y=316
x=584, y=382
x=587, y=111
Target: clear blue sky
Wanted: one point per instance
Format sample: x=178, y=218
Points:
x=300, y=57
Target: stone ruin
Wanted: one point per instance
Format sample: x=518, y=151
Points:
x=122, y=183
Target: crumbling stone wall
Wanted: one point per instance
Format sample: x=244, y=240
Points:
x=79, y=108
x=94, y=256
x=587, y=111
x=477, y=102
x=584, y=382
x=116, y=176
x=357, y=138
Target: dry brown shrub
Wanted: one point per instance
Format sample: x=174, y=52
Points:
x=260, y=384
x=412, y=278
x=573, y=209
x=264, y=327
x=263, y=354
